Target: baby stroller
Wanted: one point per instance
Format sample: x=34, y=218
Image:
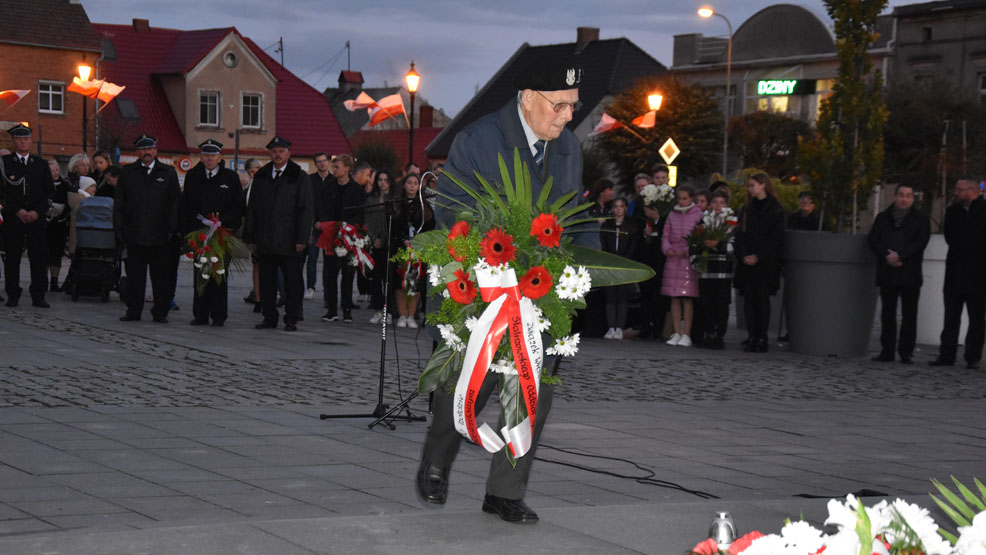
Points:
x=95, y=269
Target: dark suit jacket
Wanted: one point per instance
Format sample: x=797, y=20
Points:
x=145, y=212
x=221, y=195
x=965, y=233
x=908, y=240
x=281, y=213
x=34, y=193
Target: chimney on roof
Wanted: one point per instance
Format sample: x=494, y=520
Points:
x=585, y=35
x=349, y=80
x=141, y=25
x=426, y=116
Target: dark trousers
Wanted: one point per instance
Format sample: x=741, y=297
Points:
x=908, y=322
x=16, y=236
x=654, y=306
x=161, y=263
x=442, y=440
x=294, y=286
x=331, y=269
x=617, y=298
x=713, y=304
x=975, y=305
x=756, y=303
x=311, y=260
x=213, y=300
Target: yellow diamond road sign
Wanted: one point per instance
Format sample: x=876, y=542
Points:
x=669, y=151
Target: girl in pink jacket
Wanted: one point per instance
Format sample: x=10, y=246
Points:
x=680, y=280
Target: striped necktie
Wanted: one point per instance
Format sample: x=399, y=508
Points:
x=539, y=154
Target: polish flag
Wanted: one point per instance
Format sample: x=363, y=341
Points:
x=387, y=107
x=12, y=96
x=607, y=123
x=97, y=88
x=645, y=121
x=362, y=101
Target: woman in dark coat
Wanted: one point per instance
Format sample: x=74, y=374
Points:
x=414, y=215
x=898, y=238
x=618, y=236
x=758, y=254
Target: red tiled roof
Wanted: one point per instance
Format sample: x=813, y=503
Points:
x=57, y=23
x=351, y=76
x=302, y=114
x=397, y=139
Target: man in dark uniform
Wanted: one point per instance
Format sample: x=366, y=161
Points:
x=279, y=222
x=965, y=274
x=145, y=216
x=211, y=188
x=533, y=122
x=334, y=204
x=26, y=191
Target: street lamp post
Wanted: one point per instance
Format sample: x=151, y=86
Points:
x=84, y=72
x=708, y=12
x=412, y=78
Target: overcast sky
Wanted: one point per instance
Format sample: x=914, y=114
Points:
x=456, y=45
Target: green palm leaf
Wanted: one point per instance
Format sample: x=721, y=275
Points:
x=609, y=269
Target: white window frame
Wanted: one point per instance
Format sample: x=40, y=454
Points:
x=219, y=103
x=260, y=109
x=51, y=94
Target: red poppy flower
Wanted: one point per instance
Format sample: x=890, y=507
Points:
x=460, y=229
x=462, y=290
x=545, y=227
x=207, y=248
x=536, y=283
x=190, y=255
x=192, y=243
x=202, y=237
x=497, y=247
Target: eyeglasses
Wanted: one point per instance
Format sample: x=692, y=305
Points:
x=559, y=106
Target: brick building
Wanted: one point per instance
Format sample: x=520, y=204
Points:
x=42, y=43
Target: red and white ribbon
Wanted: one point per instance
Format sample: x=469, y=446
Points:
x=508, y=311
x=212, y=222
x=350, y=237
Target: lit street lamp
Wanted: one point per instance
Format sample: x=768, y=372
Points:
x=654, y=101
x=412, y=78
x=707, y=12
x=84, y=72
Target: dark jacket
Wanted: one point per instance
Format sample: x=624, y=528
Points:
x=411, y=217
x=908, y=240
x=60, y=199
x=222, y=195
x=145, y=212
x=965, y=233
x=475, y=149
x=280, y=213
x=34, y=193
x=760, y=232
x=804, y=222
x=623, y=240
x=336, y=203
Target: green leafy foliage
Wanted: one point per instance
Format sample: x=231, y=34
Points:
x=768, y=141
x=958, y=508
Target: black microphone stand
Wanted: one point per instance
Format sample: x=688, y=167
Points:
x=383, y=413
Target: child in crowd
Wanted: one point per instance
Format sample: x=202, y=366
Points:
x=618, y=236
x=680, y=280
x=715, y=284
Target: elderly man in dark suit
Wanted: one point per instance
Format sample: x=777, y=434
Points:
x=26, y=190
x=534, y=123
x=145, y=216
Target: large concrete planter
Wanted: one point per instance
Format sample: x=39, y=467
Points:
x=830, y=291
x=931, y=306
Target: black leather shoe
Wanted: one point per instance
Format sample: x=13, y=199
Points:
x=883, y=357
x=129, y=318
x=11, y=302
x=906, y=359
x=941, y=362
x=265, y=325
x=257, y=308
x=716, y=344
x=290, y=327
x=218, y=324
x=40, y=303
x=432, y=484
x=972, y=365
x=763, y=345
x=511, y=510
x=752, y=346
x=161, y=320
x=197, y=322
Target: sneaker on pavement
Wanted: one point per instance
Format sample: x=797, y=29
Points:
x=402, y=322
x=617, y=333
x=684, y=341
x=347, y=316
x=673, y=340
x=309, y=294
x=375, y=319
x=609, y=334
x=411, y=323
x=330, y=316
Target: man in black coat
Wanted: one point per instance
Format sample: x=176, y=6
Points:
x=965, y=274
x=898, y=238
x=533, y=122
x=279, y=222
x=145, y=217
x=26, y=190
x=211, y=188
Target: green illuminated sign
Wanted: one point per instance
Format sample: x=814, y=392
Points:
x=785, y=87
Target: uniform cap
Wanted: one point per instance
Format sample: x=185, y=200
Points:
x=211, y=146
x=556, y=73
x=278, y=141
x=19, y=130
x=145, y=141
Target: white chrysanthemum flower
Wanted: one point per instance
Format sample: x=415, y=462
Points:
x=446, y=294
x=205, y=276
x=768, y=545
x=567, y=292
x=221, y=271
x=203, y=260
x=451, y=339
x=503, y=366
x=584, y=281
x=802, y=536
x=540, y=321
x=650, y=193
x=435, y=275
x=972, y=539
x=843, y=515
x=565, y=346
x=569, y=276
x=471, y=322
x=919, y=520
x=198, y=264
x=340, y=251
x=214, y=259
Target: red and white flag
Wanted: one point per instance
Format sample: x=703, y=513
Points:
x=645, y=121
x=97, y=88
x=12, y=96
x=387, y=107
x=607, y=123
x=362, y=101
